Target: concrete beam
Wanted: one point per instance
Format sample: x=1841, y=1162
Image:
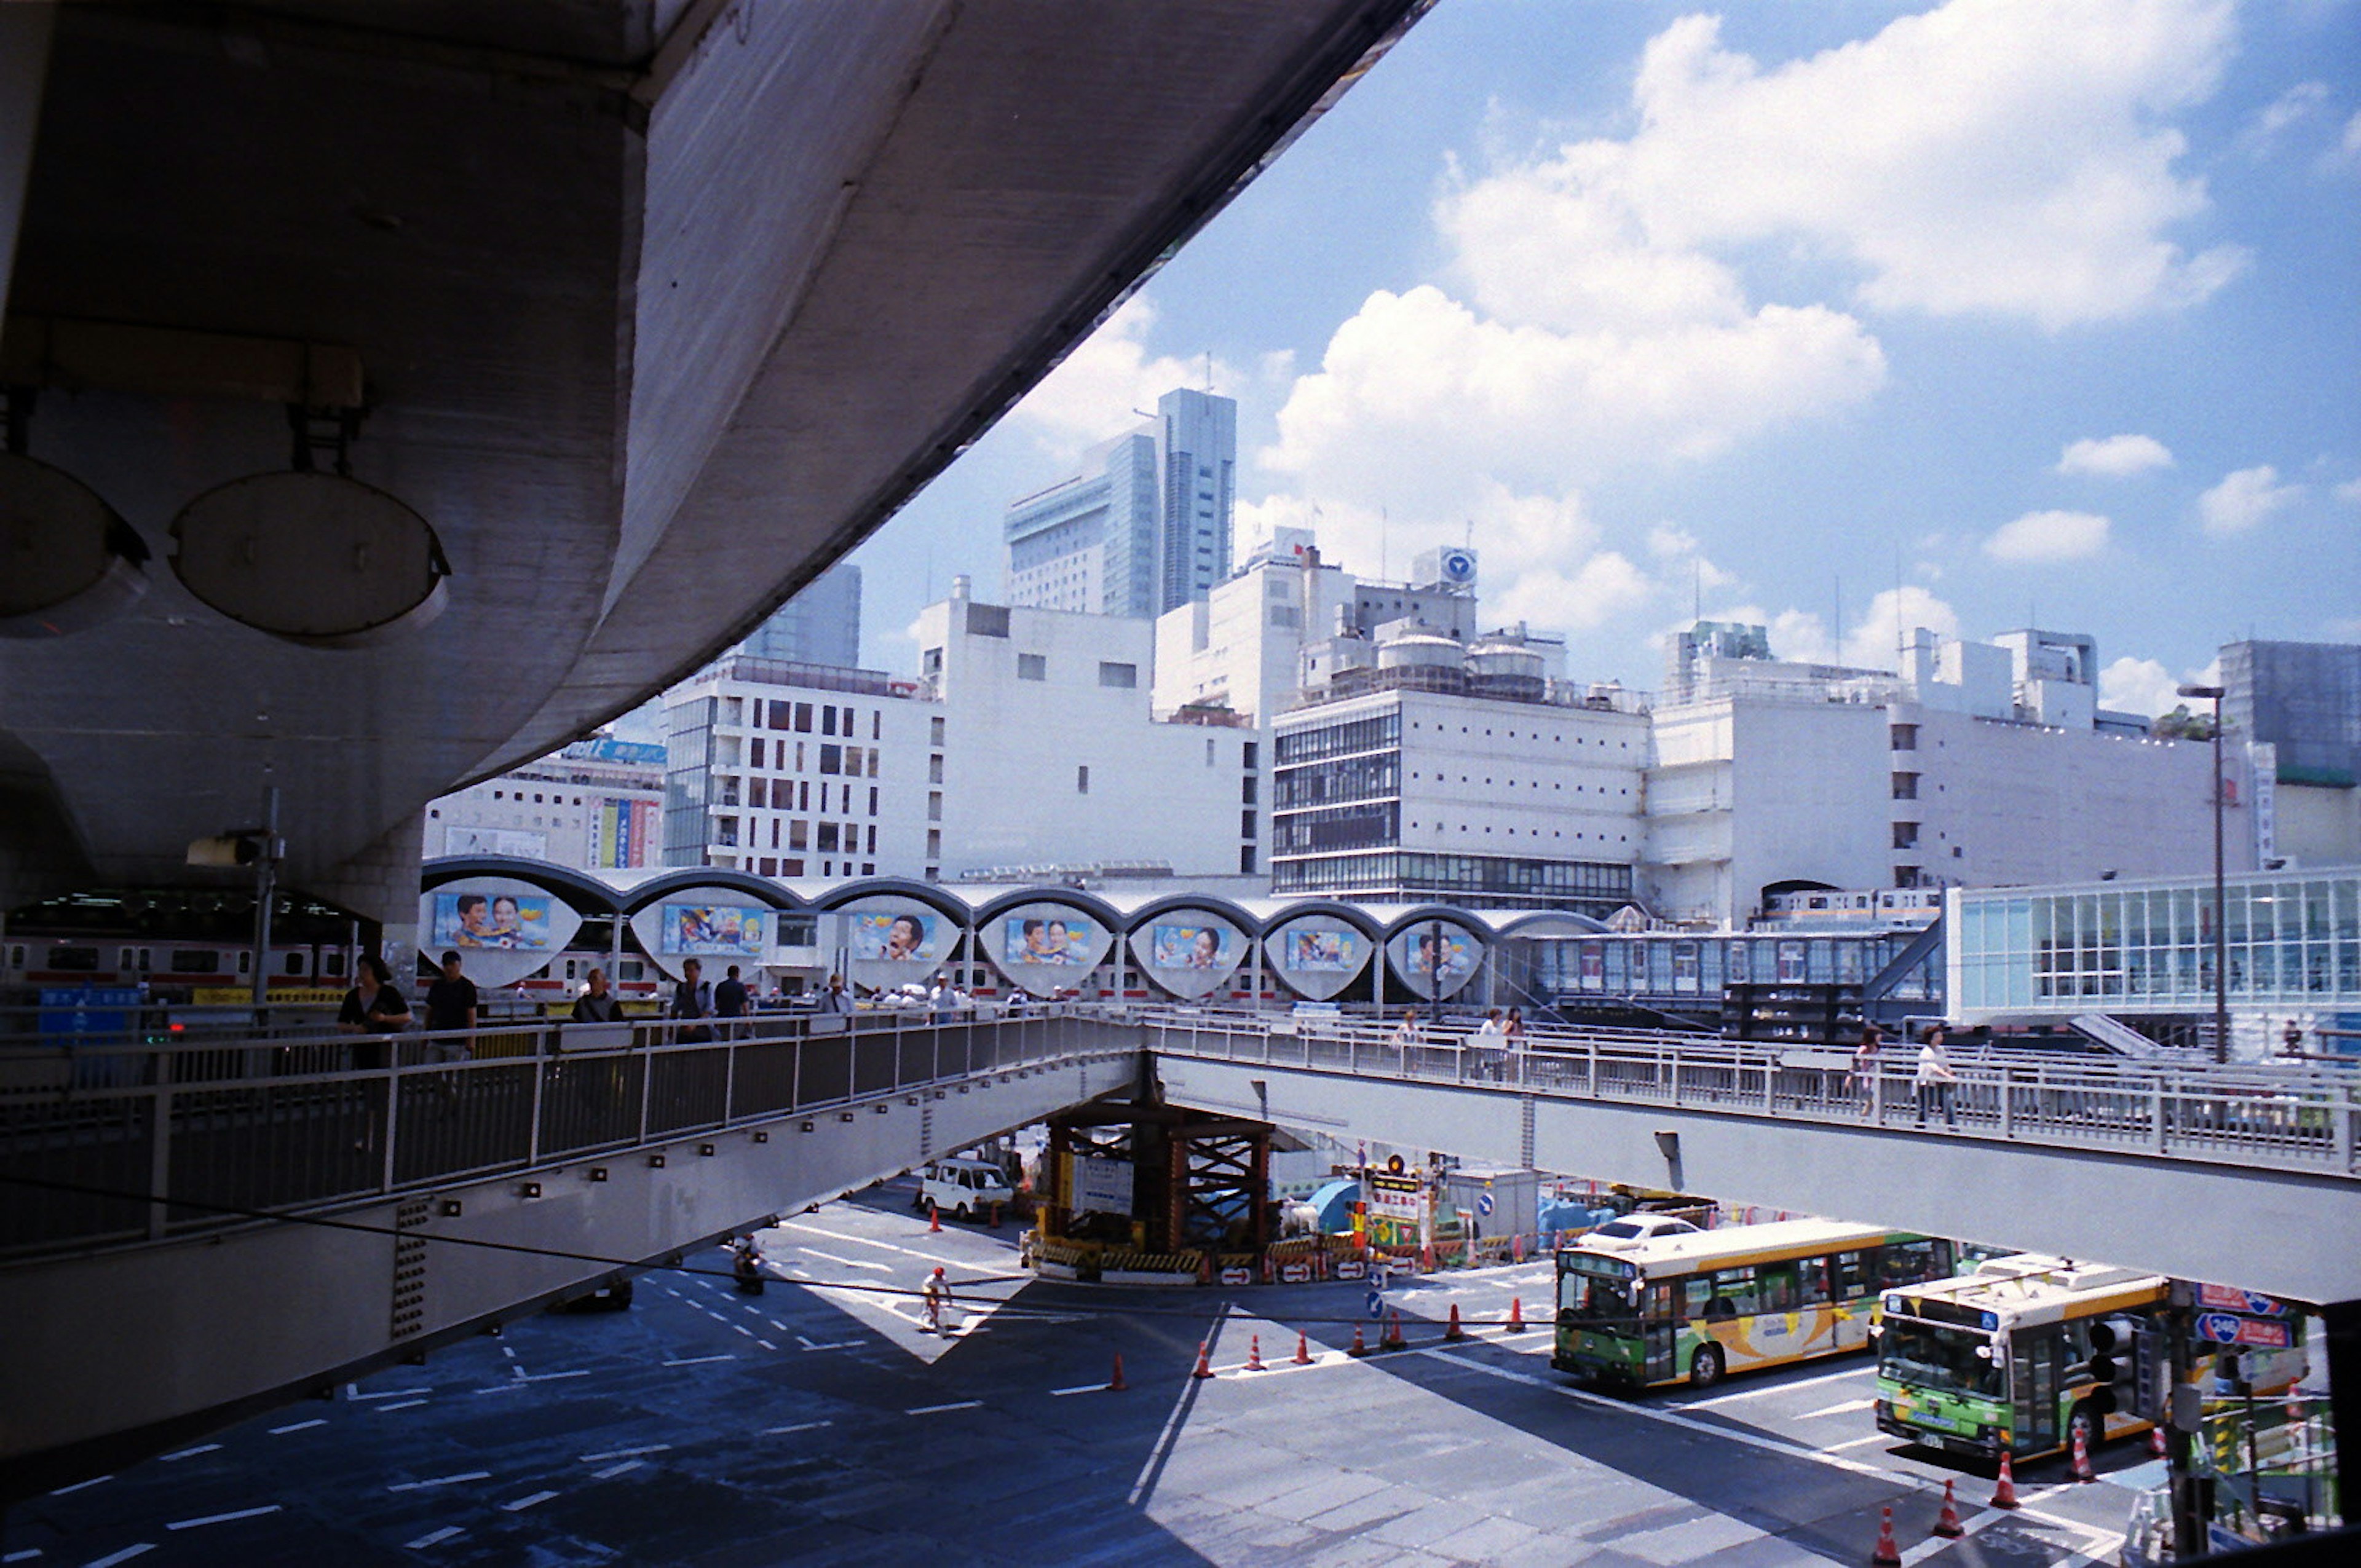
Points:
x=2292, y=1234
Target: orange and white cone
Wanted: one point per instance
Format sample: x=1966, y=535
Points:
x=1302, y=1349
x=1452, y=1331
x=1358, y=1347
x=2005, y=1489
x=1516, y=1314
x=1254, y=1355
x=934, y=1217
x=1205, y=1367
x=1947, y=1523
x=1887, y=1554
x=1393, y=1340
x=2083, y=1468
x=2156, y=1443
x=1115, y=1385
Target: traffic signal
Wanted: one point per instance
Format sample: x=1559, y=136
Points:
x=2101, y=1369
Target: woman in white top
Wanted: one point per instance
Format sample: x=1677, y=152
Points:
x=1936, y=1080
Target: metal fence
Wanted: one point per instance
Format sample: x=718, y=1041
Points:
x=2285, y=1118
x=137, y=1142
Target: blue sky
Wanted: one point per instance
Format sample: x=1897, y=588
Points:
x=1969, y=316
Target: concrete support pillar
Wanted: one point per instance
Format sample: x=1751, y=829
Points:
x=24, y=66
x=380, y=885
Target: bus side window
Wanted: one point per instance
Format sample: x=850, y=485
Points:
x=1661, y=1302
x=1777, y=1282
x=1812, y=1282
x=1696, y=1292
x=1735, y=1293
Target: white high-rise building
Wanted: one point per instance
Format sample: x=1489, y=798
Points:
x=1143, y=526
x=597, y=804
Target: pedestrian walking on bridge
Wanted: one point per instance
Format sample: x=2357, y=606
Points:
x=1936, y=1082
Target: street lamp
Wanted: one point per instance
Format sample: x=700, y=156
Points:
x=2221, y=900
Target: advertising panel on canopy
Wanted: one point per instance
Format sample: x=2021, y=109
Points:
x=718, y=926
x=501, y=928
x=1046, y=947
x=1188, y=953
x=895, y=941
x=1434, y=958
x=1317, y=955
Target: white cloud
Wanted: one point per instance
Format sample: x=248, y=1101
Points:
x=1093, y=392
x=2041, y=537
x=2244, y=500
x=2114, y=456
x=1875, y=641
x=1604, y=586
x=2346, y=153
x=2350, y=490
x=2292, y=107
x=1990, y=156
x=2137, y=685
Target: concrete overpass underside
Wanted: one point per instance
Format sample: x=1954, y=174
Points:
x=651, y=308
x=2292, y=1234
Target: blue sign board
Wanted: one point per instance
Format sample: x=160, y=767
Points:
x=1484, y=1204
x=1377, y=1305
x=2230, y=1328
x=88, y=1009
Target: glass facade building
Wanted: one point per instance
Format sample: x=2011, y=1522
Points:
x=2293, y=943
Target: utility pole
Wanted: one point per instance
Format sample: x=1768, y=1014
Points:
x=266, y=893
x=2220, y=897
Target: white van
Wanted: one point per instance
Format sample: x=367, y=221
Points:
x=963, y=1188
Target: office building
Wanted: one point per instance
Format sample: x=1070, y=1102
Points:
x=1144, y=525
x=597, y=804
x=2298, y=706
x=821, y=625
x=1977, y=765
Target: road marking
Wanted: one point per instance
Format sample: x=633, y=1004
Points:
x=939, y=1410
x=612, y=1471
x=25, y=1556
x=530, y=1500
x=190, y=1452
x=799, y=1426
x=1772, y=1388
x=385, y=1394
x=405, y=1405
x=865, y=1240
x=299, y=1426
x=78, y=1485
x=700, y=1360
x=437, y=1538
x=224, y=1519
x=1859, y=1442
x=743, y=1330
x=126, y=1555
x=767, y=1344
x=1845, y=1409
x=849, y=1262
x=440, y=1481
x=626, y=1453
x=838, y=1345
x=508, y=1351
x=1078, y=1388
x=553, y=1376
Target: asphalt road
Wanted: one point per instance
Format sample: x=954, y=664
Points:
x=819, y=1423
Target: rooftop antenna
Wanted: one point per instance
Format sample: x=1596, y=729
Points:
x=1697, y=591
x=1382, y=521
x=1209, y=371
x=1836, y=612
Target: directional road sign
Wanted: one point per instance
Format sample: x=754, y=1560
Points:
x=2231, y=1328
x=1484, y=1204
x=1377, y=1305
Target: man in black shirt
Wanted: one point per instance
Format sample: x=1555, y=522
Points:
x=450, y=1005
x=372, y=1007
x=729, y=996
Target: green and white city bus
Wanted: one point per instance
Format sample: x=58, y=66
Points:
x=1699, y=1306
x=2018, y=1354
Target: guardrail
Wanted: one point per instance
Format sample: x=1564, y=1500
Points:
x=138, y=1142
x=2294, y=1118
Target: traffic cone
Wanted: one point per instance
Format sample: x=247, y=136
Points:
x=2005, y=1489
x=2156, y=1443
x=1452, y=1331
x=1516, y=1315
x=934, y=1217
x=1947, y=1523
x=995, y=1216
x=1886, y=1554
x=1302, y=1349
x=1115, y=1385
x=1254, y=1356
x=1358, y=1347
x=2082, y=1469
x=1426, y=1258
x=1205, y=1367
x=1393, y=1340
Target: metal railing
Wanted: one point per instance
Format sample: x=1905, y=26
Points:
x=137, y=1142
x=2256, y=1114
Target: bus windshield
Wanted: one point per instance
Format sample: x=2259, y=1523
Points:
x=1596, y=1289
x=1927, y=1355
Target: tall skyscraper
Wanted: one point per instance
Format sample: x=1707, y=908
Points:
x=1143, y=527
x=820, y=625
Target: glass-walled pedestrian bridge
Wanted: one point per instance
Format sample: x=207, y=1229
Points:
x=197, y=1229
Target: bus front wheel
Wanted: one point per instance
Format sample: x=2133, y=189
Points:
x=1706, y=1367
